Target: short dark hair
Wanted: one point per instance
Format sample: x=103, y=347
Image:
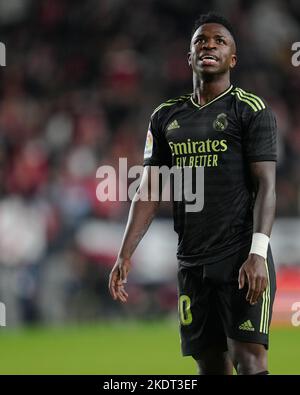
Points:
x=213, y=18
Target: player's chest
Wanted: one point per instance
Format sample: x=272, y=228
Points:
x=201, y=125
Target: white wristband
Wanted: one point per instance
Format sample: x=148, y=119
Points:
x=260, y=243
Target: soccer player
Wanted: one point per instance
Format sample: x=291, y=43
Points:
x=226, y=276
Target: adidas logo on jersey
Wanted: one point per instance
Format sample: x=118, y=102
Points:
x=173, y=125
x=246, y=326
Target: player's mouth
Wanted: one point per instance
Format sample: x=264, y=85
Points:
x=208, y=60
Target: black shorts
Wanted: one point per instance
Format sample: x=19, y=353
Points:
x=212, y=308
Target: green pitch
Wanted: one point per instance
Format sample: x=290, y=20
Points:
x=120, y=348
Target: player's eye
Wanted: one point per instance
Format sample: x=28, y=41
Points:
x=220, y=41
x=199, y=40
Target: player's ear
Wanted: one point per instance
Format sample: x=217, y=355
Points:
x=189, y=58
x=233, y=61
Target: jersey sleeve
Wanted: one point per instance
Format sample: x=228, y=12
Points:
x=260, y=136
x=157, y=151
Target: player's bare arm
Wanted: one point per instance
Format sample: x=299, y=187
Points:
x=140, y=217
x=254, y=269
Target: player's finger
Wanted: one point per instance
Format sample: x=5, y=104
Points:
x=122, y=294
x=118, y=292
x=257, y=293
x=125, y=293
x=121, y=298
x=241, y=278
x=112, y=286
x=115, y=278
x=122, y=291
x=262, y=288
x=264, y=285
x=251, y=286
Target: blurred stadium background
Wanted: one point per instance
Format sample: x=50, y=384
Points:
x=81, y=80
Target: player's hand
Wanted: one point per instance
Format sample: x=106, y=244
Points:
x=254, y=272
x=117, y=279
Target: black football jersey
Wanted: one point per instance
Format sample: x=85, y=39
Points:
x=219, y=138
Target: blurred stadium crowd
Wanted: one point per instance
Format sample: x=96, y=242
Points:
x=81, y=81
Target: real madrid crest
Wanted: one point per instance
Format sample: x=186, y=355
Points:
x=221, y=122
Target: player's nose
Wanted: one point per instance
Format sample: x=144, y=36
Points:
x=209, y=44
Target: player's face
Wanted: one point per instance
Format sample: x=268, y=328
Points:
x=212, y=50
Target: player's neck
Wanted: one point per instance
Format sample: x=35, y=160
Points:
x=207, y=89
